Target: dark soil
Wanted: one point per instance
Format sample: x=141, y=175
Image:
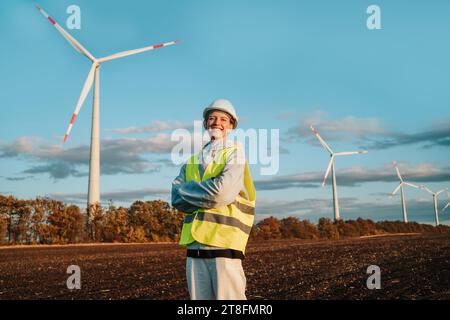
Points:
x=412, y=267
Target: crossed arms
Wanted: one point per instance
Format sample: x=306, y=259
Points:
x=212, y=193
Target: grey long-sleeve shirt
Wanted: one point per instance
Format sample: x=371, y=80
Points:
x=212, y=193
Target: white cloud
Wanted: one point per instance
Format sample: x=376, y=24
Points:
x=22, y=145
x=367, y=132
x=155, y=126
x=127, y=155
x=342, y=129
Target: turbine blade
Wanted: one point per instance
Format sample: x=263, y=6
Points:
x=350, y=153
x=322, y=142
x=426, y=189
x=84, y=92
x=327, y=172
x=440, y=191
x=135, y=51
x=66, y=35
x=396, y=189
x=446, y=206
x=398, y=171
x=411, y=185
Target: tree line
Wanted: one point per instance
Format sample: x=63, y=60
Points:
x=294, y=228
x=48, y=221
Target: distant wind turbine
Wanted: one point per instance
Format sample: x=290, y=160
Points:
x=400, y=187
x=333, y=171
x=94, y=76
x=435, y=195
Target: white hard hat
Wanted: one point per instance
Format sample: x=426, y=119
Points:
x=222, y=105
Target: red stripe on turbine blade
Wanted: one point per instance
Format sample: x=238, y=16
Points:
x=65, y=138
x=156, y=46
x=51, y=20
x=74, y=116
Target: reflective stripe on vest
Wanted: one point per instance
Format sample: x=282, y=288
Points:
x=228, y=226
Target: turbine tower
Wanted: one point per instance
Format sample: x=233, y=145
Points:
x=94, y=78
x=435, y=196
x=333, y=171
x=400, y=186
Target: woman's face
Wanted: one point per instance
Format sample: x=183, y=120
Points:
x=218, y=123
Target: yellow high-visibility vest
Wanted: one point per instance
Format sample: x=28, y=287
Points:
x=228, y=226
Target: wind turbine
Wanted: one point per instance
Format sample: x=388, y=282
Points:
x=94, y=77
x=435, y=195
x=400, y=186
x=331, y=167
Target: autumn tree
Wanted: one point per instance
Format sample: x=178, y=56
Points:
x=141, y=216
x=327, y=229
x=65, y=225
x=116, y=224
x=169, y=221
x=366, y=227
x=269, y=228
x=6, y=208
x=20, y=222
x=347, y=229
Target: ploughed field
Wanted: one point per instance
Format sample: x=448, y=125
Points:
x=411, y=267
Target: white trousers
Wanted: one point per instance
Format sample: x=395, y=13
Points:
x=215, y=279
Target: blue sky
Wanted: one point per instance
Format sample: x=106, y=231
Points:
x=283, y=64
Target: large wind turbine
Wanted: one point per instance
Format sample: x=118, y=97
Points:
x=333, y=171
x=400, y=186
x=94, y=77
x=435, y=195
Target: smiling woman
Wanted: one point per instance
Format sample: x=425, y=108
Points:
x=215, y=192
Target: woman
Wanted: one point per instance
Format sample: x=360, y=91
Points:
x=216, y=193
